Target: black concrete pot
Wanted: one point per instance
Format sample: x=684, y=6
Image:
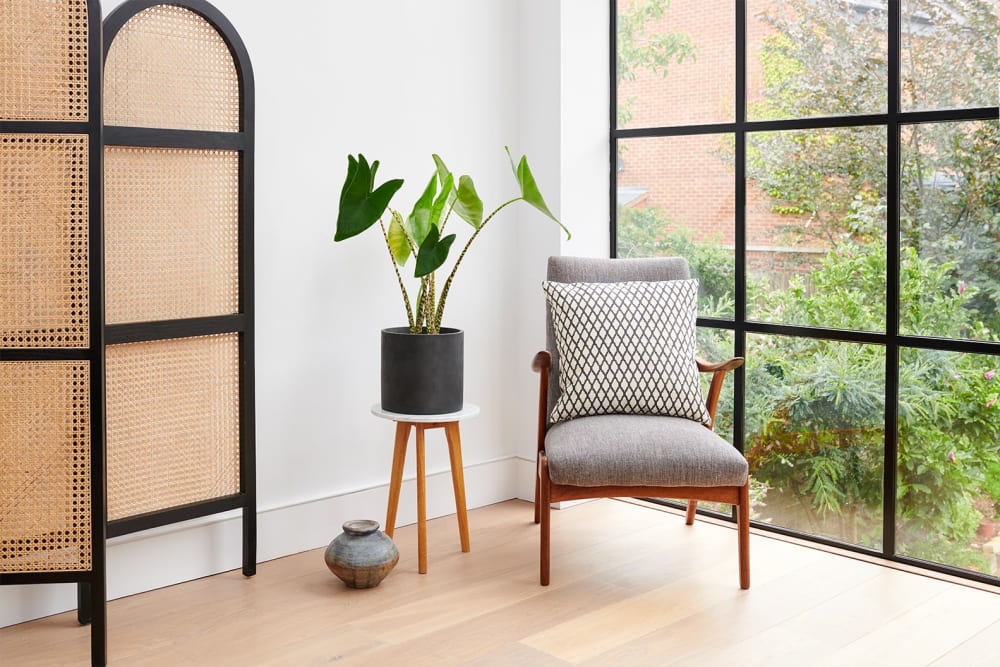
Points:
x=422, y=373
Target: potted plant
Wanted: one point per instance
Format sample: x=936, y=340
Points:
x=422, y=363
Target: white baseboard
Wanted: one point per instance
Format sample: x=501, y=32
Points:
x=525, y=479
x=209, y=545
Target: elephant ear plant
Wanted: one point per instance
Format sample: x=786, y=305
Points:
x=421, y=234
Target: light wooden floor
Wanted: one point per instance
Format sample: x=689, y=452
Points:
x=630, y=586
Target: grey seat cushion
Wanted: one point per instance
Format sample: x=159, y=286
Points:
x=641, y=450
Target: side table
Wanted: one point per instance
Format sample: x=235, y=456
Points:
x=448, y=422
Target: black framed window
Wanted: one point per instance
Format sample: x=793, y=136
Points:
x=831, y=170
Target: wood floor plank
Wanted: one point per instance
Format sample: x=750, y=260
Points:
x=516, y=654
x=712, y=577
x=612, y=553
x=929, y=629
x=977, y=651
x=613, y=570
x=769, y=603
x=630, y=586
x=827, y=627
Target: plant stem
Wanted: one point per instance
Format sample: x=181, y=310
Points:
x=421, y=307
x=399, y=277
x=432, y=326
x=427, y=304
x=447, y=215
x=451, y=276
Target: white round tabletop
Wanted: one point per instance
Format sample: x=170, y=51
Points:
x=468, y=410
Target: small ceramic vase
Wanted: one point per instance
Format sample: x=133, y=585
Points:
x=362, y=555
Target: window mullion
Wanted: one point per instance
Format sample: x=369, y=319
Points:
x=890, y=478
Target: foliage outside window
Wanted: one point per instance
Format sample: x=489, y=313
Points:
x=817, y=218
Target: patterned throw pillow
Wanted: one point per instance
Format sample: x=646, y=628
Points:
x=626, y=348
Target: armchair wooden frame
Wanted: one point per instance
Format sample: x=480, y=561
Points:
x=547, y=492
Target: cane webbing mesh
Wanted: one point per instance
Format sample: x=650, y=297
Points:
x=44, y=466
x=171, y=233
x=169, y=68
x=43, y=60
x=44, y=226
x=173, y=423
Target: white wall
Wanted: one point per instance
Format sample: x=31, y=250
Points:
x=564, y=127
x=364, y=76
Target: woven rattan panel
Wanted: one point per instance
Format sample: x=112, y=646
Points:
x=173, y=423
x=171, y=233
x=169, y=68
x=44, y=466
x=44, y=221
x=43, y=60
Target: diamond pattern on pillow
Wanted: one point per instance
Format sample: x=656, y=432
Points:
x=626, y=348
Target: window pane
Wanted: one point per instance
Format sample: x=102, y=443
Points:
x=808, y=58
x=949, y=54
x=949, y=456
x=950, y=230
x=816, y=252
x=676, y=62
x=675, y=198
x=717, y=345
x=815, y=413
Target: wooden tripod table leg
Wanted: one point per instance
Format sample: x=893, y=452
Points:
x=421, y=503
x=458, y=479
x=396, y=481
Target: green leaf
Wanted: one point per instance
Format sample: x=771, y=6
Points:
x=529, y=189
x=433, y=253
x=361, y=205
x=419, y=222
x=447, y=193
x=468, y=205
x=465, y=201
x=442, y=173
x=399, y=245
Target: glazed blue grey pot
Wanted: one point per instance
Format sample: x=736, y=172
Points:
x=362, y=555
x=422, y=374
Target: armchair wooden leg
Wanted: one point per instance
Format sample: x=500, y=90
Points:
x=538, y=516
x=743, y=531
x=545, y=508
x=692, y=509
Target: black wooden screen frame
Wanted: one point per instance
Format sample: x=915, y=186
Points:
x=92, y=584
x=241, y=323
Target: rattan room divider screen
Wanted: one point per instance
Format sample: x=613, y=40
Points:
x=178, y=169
x=126, y=283
x=52, y=522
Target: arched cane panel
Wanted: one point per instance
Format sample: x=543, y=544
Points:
x=50, y=343
x=178, y=231
x=170, y=68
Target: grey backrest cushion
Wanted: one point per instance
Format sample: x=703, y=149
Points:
x=597, y=270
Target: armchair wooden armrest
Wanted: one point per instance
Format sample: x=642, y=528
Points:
x=541, y=365
x=718, y=371
x=542, y=360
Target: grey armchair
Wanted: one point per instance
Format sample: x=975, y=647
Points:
x=633, y=455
